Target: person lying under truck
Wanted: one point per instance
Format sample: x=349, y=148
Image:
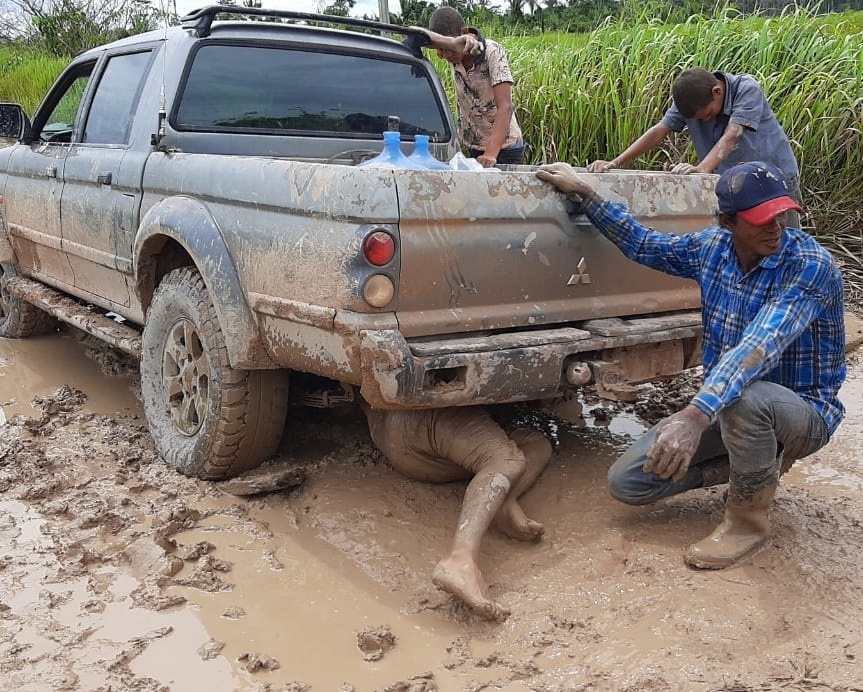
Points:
x=466, y=443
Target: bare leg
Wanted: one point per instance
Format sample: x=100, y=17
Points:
x=511, y=519
x=459, y=573
x=502, y=471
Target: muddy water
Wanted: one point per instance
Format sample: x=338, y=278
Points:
x=838, y=471
x=289, y=596
x=107, y=629
x=300, y=602
x=34, y=367
x=286, y=581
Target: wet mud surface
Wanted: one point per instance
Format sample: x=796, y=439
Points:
x=117, y=573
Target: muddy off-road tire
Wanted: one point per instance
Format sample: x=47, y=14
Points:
x=18, y=318
x=207, y=419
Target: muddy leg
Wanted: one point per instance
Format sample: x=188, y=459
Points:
x=477, y=443
x=458, y=573
x=511, y=519
x=453, y=444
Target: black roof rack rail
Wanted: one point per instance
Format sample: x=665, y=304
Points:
x=201, y=21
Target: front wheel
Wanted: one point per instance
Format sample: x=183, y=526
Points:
x=207, y=419
x=18, y=318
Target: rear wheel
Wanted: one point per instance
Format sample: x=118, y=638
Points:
x=207, y=419
x=18, y=318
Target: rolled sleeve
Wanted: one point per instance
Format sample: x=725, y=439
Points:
x=746, y=109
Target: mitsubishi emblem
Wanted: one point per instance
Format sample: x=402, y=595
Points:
x=582, y=276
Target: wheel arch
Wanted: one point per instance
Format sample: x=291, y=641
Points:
x=7, y=252
x=180, y=231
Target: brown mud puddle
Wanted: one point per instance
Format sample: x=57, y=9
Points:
x=118, y=574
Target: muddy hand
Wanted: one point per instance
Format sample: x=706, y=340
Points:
x=487, y=161
x=468, y=44
x=565, y=179
x=684, y=169
x=601, y=166
x=676, y=443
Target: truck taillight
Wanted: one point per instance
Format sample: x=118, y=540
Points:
x=378, y=290
x=379, y=248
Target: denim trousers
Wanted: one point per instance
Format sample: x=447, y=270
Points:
x=513, y=155
x=748, y=436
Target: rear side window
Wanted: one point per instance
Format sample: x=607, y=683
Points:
x=116, y=99
x=241, y=88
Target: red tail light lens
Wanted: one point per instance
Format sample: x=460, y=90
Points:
x=379, y=248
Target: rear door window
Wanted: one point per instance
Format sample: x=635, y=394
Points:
x=116, y=99
x=234, y=88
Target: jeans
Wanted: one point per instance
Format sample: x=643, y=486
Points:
x=512, y=155
x=748, y=435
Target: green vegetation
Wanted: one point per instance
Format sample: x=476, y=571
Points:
x=586, y=96
x=26, y=74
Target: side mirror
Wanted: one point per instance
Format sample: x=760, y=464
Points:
x=14, y=123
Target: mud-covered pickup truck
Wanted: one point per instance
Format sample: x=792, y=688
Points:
x=191, y=196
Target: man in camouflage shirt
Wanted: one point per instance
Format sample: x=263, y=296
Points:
x=488, y=127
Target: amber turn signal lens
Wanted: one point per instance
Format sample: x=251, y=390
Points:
x=379, y=248
x=378, y=290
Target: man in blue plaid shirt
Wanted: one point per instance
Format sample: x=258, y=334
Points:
x=773, y=354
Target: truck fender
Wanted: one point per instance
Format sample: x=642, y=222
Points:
x=7, y=254
x=188, y=223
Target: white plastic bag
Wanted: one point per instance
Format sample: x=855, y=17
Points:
x=460, y=162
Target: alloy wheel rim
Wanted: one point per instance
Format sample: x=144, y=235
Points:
x=186, y=377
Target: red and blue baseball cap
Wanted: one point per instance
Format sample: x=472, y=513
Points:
x=756, y=191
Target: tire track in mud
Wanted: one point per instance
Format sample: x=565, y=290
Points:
x=93, y=524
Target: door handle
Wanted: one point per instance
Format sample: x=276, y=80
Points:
x=104, y=179
x=51, y=171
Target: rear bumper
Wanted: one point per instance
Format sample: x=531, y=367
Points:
x=501, y=368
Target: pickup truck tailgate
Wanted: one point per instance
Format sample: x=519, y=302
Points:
x=497, y=250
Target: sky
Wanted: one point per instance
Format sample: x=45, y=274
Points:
x=368, y=7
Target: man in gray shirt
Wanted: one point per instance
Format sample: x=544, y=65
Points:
x=729, y=121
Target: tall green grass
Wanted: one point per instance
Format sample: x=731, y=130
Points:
x=26, y=75
x=581, y=98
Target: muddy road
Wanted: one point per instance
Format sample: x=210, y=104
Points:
x=117, y=573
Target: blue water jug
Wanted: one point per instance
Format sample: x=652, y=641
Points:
x=391, y=156
x=423, y=156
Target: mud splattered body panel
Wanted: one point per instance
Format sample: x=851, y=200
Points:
x=496, y=251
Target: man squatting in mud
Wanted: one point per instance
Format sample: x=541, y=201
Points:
x=773, y=353
x=461, y=443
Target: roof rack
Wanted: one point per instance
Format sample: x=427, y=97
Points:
x=201, y=20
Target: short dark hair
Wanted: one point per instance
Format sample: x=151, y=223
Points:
x=693, y=90
x=722, y=218
x=447, y=21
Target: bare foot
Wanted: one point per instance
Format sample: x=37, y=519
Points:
x=462, y=579
x=512, y=521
